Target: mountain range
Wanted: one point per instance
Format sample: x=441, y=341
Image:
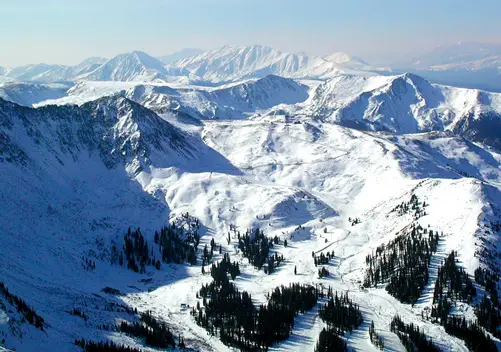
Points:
x=142, y=198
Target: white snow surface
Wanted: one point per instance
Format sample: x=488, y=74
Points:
x=66, y=193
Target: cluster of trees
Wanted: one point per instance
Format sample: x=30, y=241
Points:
x=471, y=333
x=341, y=315
x=176, y=244
x=488, y=279
x=322, y=259
x=154, y=332
x=220, y=271
x=488, y=315
x=232, y=316
x=375, y=338
x=488, y=310
x=207, y=255
x=453, y=282
x=403, y=262
x=329, y=341
x=413, y=205
x=354, y=221
x=108, y=346
x=78, y=313
x=411, y=337
x=137, y=253
x=88, y=264
x=255, y=246
x=322, y=272
x=23, y=308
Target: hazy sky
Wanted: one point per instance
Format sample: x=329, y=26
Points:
x=67, y=31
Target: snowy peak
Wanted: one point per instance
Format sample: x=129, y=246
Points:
x=133, y=66
x=232, y=63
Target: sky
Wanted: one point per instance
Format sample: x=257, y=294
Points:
x=379, y=31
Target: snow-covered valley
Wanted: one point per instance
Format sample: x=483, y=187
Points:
x=327, y=165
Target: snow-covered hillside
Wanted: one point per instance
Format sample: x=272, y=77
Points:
x=407, y=104
x=234, y=102
x=74, y=178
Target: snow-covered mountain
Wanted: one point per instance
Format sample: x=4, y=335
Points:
x=407, y=104
x=75, y=178
x=232, y=63
x=322, y=161
x=133, y=66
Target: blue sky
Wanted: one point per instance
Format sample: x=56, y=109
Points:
x=66, y=32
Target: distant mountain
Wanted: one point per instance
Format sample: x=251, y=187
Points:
x=28, y=94
x=346, y=60
x=133, y=66
x=43, y=73
x=179, y=55
x=234, y=102
x=454, y=54
x=408, y=104
x=232, y=63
